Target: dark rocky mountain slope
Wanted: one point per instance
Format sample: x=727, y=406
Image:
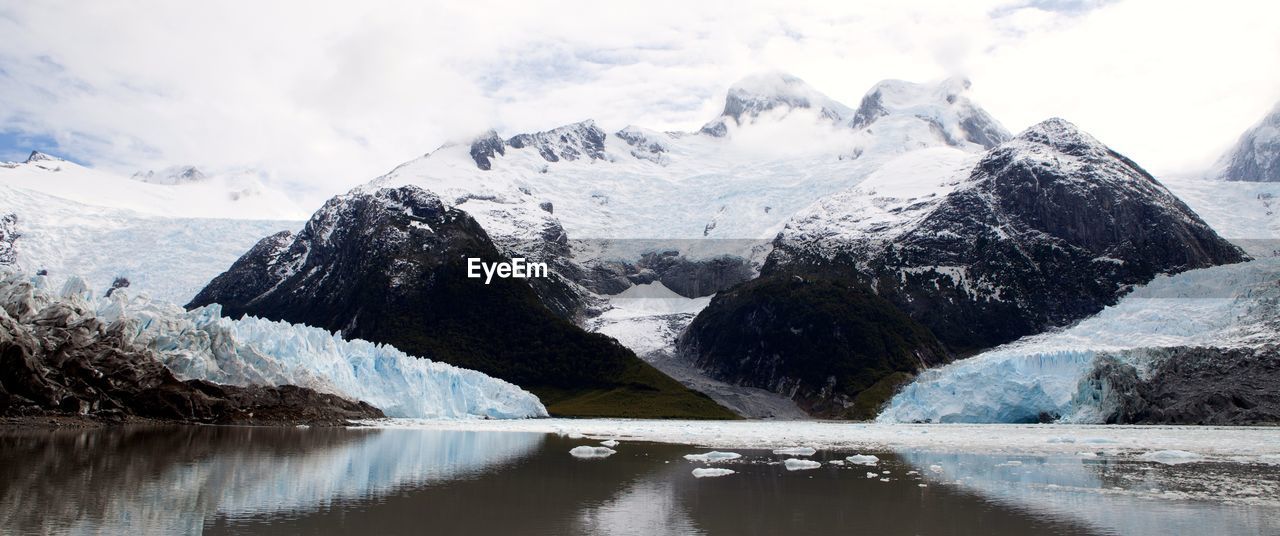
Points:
x=1045, y=229
x=1256, y=156
x=829, y=343
x=390, y=266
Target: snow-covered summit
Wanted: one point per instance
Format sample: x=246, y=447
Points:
x=941, y=110
x=37, y=156
x=757, y=94
x=795, y=146
x=1040, y=231
x=1256, y=156
x=171, y=175
x=570, y=142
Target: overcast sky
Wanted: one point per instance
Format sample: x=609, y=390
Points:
x=327, y=96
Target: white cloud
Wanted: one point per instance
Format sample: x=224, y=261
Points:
x=328, y=95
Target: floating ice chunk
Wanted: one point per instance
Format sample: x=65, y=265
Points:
x=795, y=464
x=836, y=462
x=1087, y=454
x=884, y=480
x=873, y=475
x=587, y=452
x=609, y=443
x=712, y=457
x=935, y=468
x=923, y=485
x=576, y=435
x=796, y=451
x=704, y=472
x=1171, y=457
x=863, y=459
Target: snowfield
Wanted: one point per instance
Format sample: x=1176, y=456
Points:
x=170, y=259
x=240, y=195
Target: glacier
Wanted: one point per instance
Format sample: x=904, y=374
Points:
x=1039, y=377
x=202, y=344
x=169, y=258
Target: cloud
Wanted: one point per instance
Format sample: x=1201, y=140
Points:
x=326, y=95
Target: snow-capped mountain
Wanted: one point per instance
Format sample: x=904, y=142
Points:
x=182, y=192
x=1041, y=231
x=773, y=92
x=903, y=109
x=391, y=266
x=784, y=146
x=171, y=175
x=1256, y=156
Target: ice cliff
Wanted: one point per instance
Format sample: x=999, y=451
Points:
x=203, y=344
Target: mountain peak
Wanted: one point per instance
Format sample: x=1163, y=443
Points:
x=37, y=156
x=171, y=175
x=763, y=92
x=943, y=104
x=1256, y=156
x=569, y=142
x=1063, y=136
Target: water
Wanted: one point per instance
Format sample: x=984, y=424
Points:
x=243, y=480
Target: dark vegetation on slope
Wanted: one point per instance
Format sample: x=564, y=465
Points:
x=836, y=348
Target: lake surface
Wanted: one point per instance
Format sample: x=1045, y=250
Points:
x=243, y=480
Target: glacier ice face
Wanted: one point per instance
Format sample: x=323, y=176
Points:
x=1040, y=376
x=203, y=344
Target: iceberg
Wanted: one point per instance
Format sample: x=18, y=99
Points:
x=796, y=464
x=712, y=457
x=863, y=459
x=587, y=452
x=1041, y=377
x=202, y=344
x=704, y=472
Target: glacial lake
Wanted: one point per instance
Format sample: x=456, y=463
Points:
x=256, y=480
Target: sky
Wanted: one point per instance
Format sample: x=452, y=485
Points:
x=322, y=96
